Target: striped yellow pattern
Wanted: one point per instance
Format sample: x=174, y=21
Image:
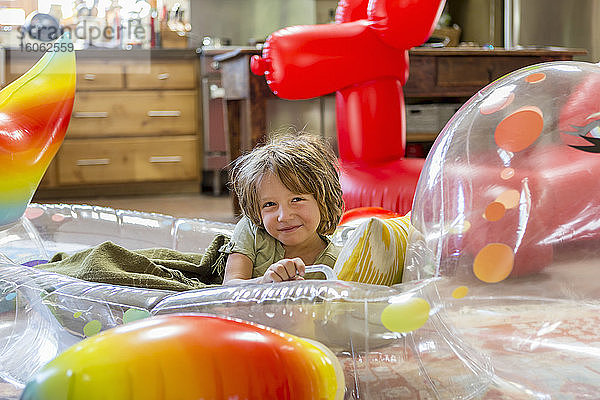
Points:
x=374, y=252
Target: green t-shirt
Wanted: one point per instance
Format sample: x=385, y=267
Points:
x=264, y=250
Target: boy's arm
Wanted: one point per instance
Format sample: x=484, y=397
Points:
x=238, y=269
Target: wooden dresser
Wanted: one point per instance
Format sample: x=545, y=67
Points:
x=134, y=128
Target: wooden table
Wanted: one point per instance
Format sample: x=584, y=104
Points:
x=462, y=71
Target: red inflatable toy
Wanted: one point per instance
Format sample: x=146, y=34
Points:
x=367, y=212
x=364, y=58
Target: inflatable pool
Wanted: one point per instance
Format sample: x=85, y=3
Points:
x=498, y=343
x=44, y=313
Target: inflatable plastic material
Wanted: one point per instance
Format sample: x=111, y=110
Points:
x=42, y=314
x=363, y=57
x=506, y=211
x=34, y=114
x=191, y=357
x=526, y=177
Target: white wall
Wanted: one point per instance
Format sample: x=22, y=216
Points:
x=271, y=15
x=559, y=23
x=241, y=20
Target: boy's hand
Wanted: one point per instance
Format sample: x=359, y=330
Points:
x=288, y=269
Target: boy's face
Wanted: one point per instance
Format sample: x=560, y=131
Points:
x=289, y=217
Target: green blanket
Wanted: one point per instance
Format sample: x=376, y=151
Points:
x=158, y=268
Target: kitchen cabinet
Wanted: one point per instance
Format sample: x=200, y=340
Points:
x=133, y=113
x=100, y=75
x=162, y=75
x=127, y=160
x=134, y=127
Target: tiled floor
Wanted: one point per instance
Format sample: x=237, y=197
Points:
x=215, y=208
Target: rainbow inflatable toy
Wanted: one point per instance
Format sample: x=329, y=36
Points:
x=181, y=357
x=34, y=114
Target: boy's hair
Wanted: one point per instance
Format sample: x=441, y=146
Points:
x=304, y=163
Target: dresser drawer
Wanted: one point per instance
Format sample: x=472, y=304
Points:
x=477, y=71
x=90, y=75
x=131, y=113
x=128, y=160
x=163, y=75
x=463, y=71
x=100, y=76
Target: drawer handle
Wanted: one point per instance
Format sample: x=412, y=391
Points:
x=164, y=113
x=89, y=77
x=163, y=76
x=165, y=159
x=90, y=114
x=93, y=161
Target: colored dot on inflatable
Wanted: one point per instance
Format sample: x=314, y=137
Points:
x=58, y=218
x=520, y=129
x=535, y=77
x=460, y=292
x=133, y=314
x=33, y=212
x=507, y=173
x=406, y=316
x=509, y=198
x=11, y=296
x=494, y=211
x=493, y=263
x=77, y=314
x=92, y=328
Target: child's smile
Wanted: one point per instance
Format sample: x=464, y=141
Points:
x=290, y=229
